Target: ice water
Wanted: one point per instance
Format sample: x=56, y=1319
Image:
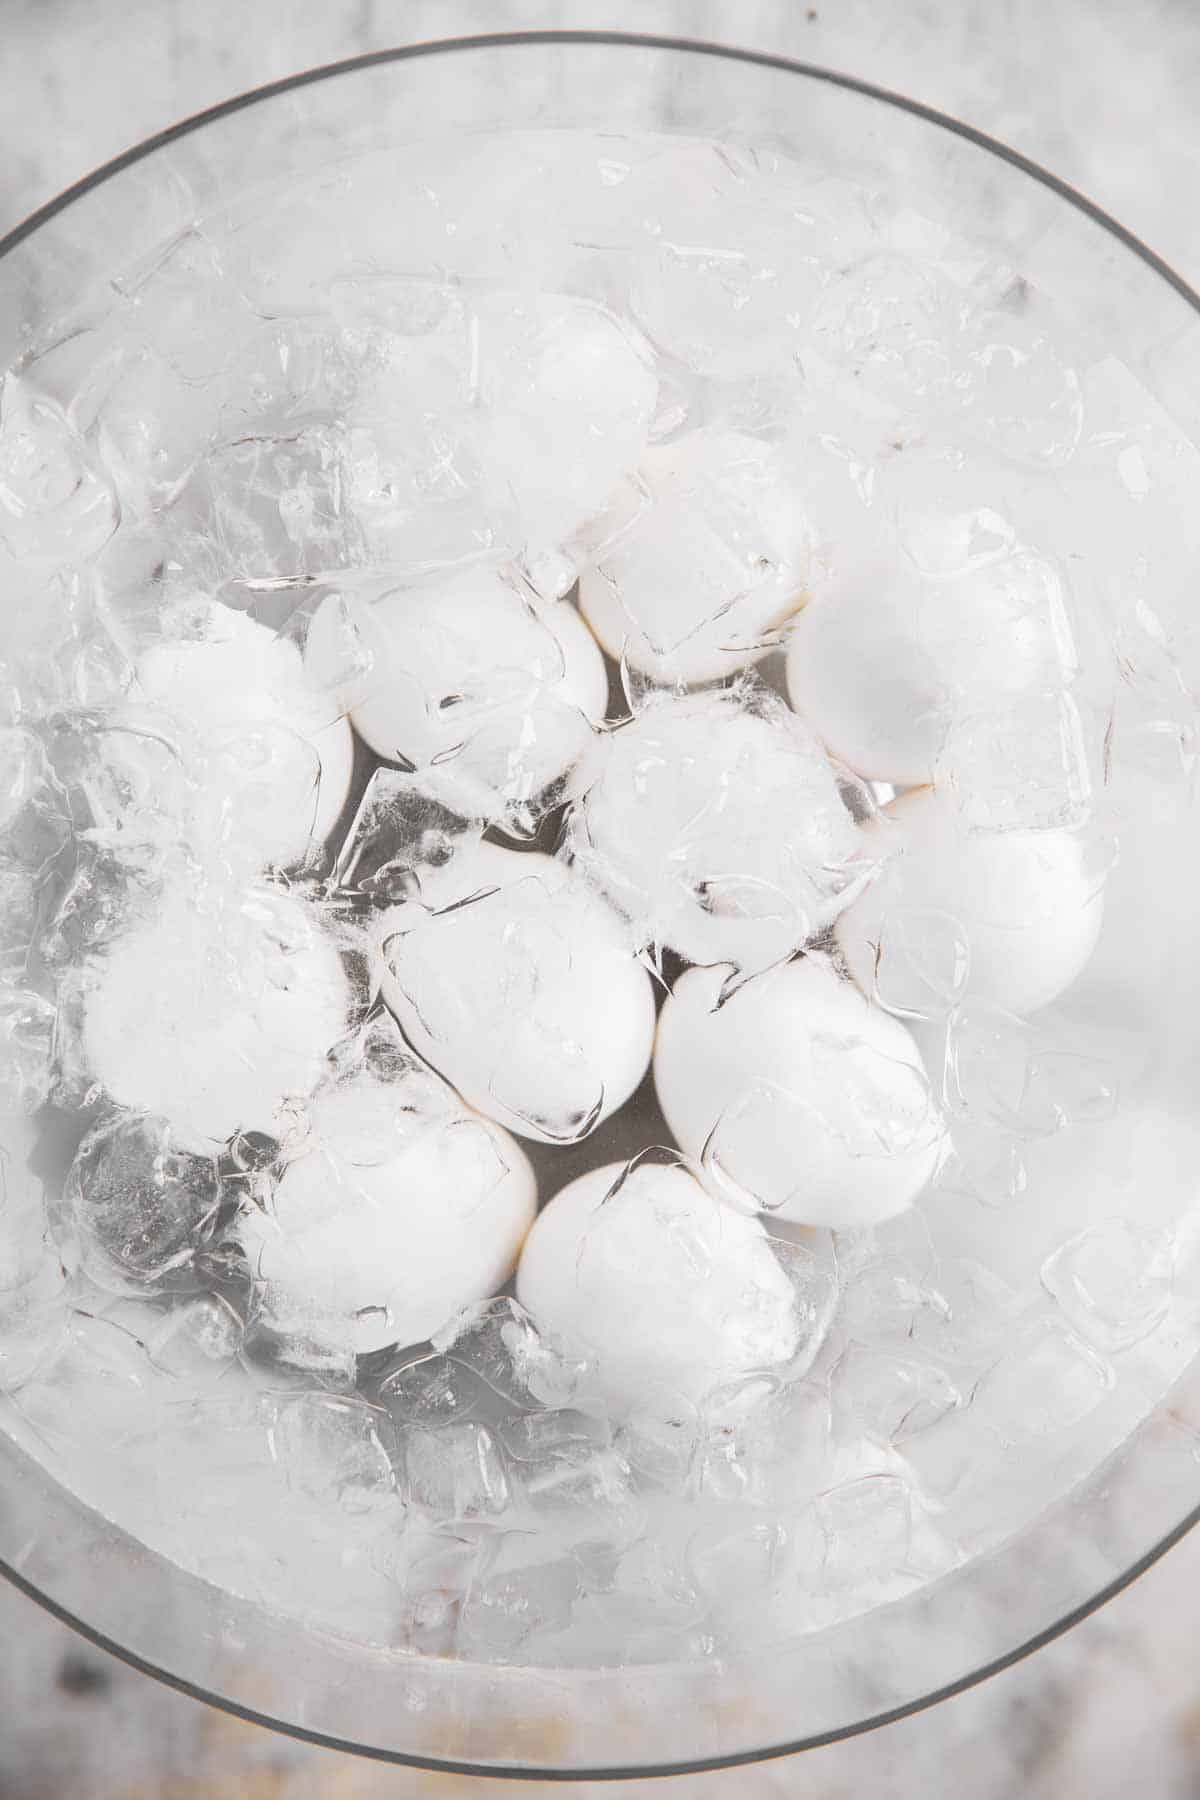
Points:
x=444, y=610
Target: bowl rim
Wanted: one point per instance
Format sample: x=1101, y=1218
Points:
x=1064, y=190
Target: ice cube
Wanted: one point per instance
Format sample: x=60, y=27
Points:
x=1113, y=1282
x=56, y=505
x=895, y=326
x=878, y=1126
x=19, y=906
x=648, y=1586
x=432, y=1390
x=508, y=1606
x=561, y=1435
x=100, y=1392
x=956, y=1453
x=811, y=1267
x=400, y=835
x=659, y=1437
x=892, y=1398
x=294, y=1347
x=592, y=1498
x=498, y=1341
x=278, y=507
x=924, y=962
x=1023, y=767
x=199, y=1342
x=1004, y=1073
x=705, y=563
x=183, y=305
x=950, y=514
x=884, y=1302
x=988, y=1163
x=733, y=1564
x=153, y=429
x=28, y=1034
x=333, y=1450
x=662, y=827
x=411, y=471
x=971, y=1310
x=1022, y=399
x=515, y=1596
x=433, y=1570
x=137, y=1205
x=34, y=1294
x=34, y=818
x=732, y=280
x=506, y=779
x=456, y=1472
x=765, y=1442
x=125, y=778
x=868, y=1529
x=1046, y=1382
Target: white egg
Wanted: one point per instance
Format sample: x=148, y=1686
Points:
x=402, y=1207
x=566, y=396
x=696, y=582
x=658, y=1282
x=528, y=998
x=274, y=756
x=796, y=1096
x=212, y=1014
x=489, y=699
x=717, y=830
x=1025, y=906
x=882, y=660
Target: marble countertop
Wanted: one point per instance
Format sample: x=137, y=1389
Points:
x=1104, y=93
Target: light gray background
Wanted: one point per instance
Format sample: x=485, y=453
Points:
x=1107, y=94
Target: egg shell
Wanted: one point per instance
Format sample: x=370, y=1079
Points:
x=567, y=393
x=1027, y=903
x=694, y=586
x=882, y=660
x=798, y=1094
x=658, y=1282
x=465, y=681
x=212, y=1015
x=529, y=999
x=244, y=692
x=395, y=1215
x=719, y=832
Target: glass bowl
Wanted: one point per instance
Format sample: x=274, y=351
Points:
x=611, y=1722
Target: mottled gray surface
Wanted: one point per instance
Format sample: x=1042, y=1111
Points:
x=1102, y=91
x=1109, y=1712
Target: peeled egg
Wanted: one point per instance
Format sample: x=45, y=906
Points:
x=1019, y=911
x=521, y=988
x=491, y=700
x=274, y=754
x=796, y=1097
x=645, y=1272
x=401, y=1207
x=213, y=1015
x=718, y=830
x=707, y=559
